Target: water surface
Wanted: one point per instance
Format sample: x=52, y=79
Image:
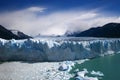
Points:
x=108, y=65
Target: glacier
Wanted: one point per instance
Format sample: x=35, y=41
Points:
x=57, y=49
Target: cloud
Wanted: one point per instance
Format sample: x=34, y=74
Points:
x=31, y=22
x=36, y=9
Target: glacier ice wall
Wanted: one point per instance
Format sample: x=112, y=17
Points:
x=56, y=50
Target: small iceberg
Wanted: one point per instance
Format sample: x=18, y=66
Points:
x=66, y=66
x=63, y=67
x=98, y=73
x=82, y=73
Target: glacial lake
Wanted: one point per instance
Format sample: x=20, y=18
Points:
x=109, y=65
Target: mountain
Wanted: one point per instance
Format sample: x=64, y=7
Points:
x=20, y=34
x=110, y=30
x=9, y=34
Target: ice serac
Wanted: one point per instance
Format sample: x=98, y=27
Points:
x=56, y=50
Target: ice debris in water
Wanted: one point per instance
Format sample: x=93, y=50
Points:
x=33, y=71
x=97, y=73
x=78, y=78
x=81, y=75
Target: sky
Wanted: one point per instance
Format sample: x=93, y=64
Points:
x=55, y=17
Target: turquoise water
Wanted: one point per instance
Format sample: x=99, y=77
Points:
x=108, y=65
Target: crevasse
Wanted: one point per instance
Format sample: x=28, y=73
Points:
x=56, y=50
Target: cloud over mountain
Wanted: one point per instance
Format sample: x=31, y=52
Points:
x=34, y=20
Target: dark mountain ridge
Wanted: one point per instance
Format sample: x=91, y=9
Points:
x=8, y=34
x=110, y=30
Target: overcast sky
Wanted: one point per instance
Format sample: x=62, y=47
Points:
x=48, y=17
